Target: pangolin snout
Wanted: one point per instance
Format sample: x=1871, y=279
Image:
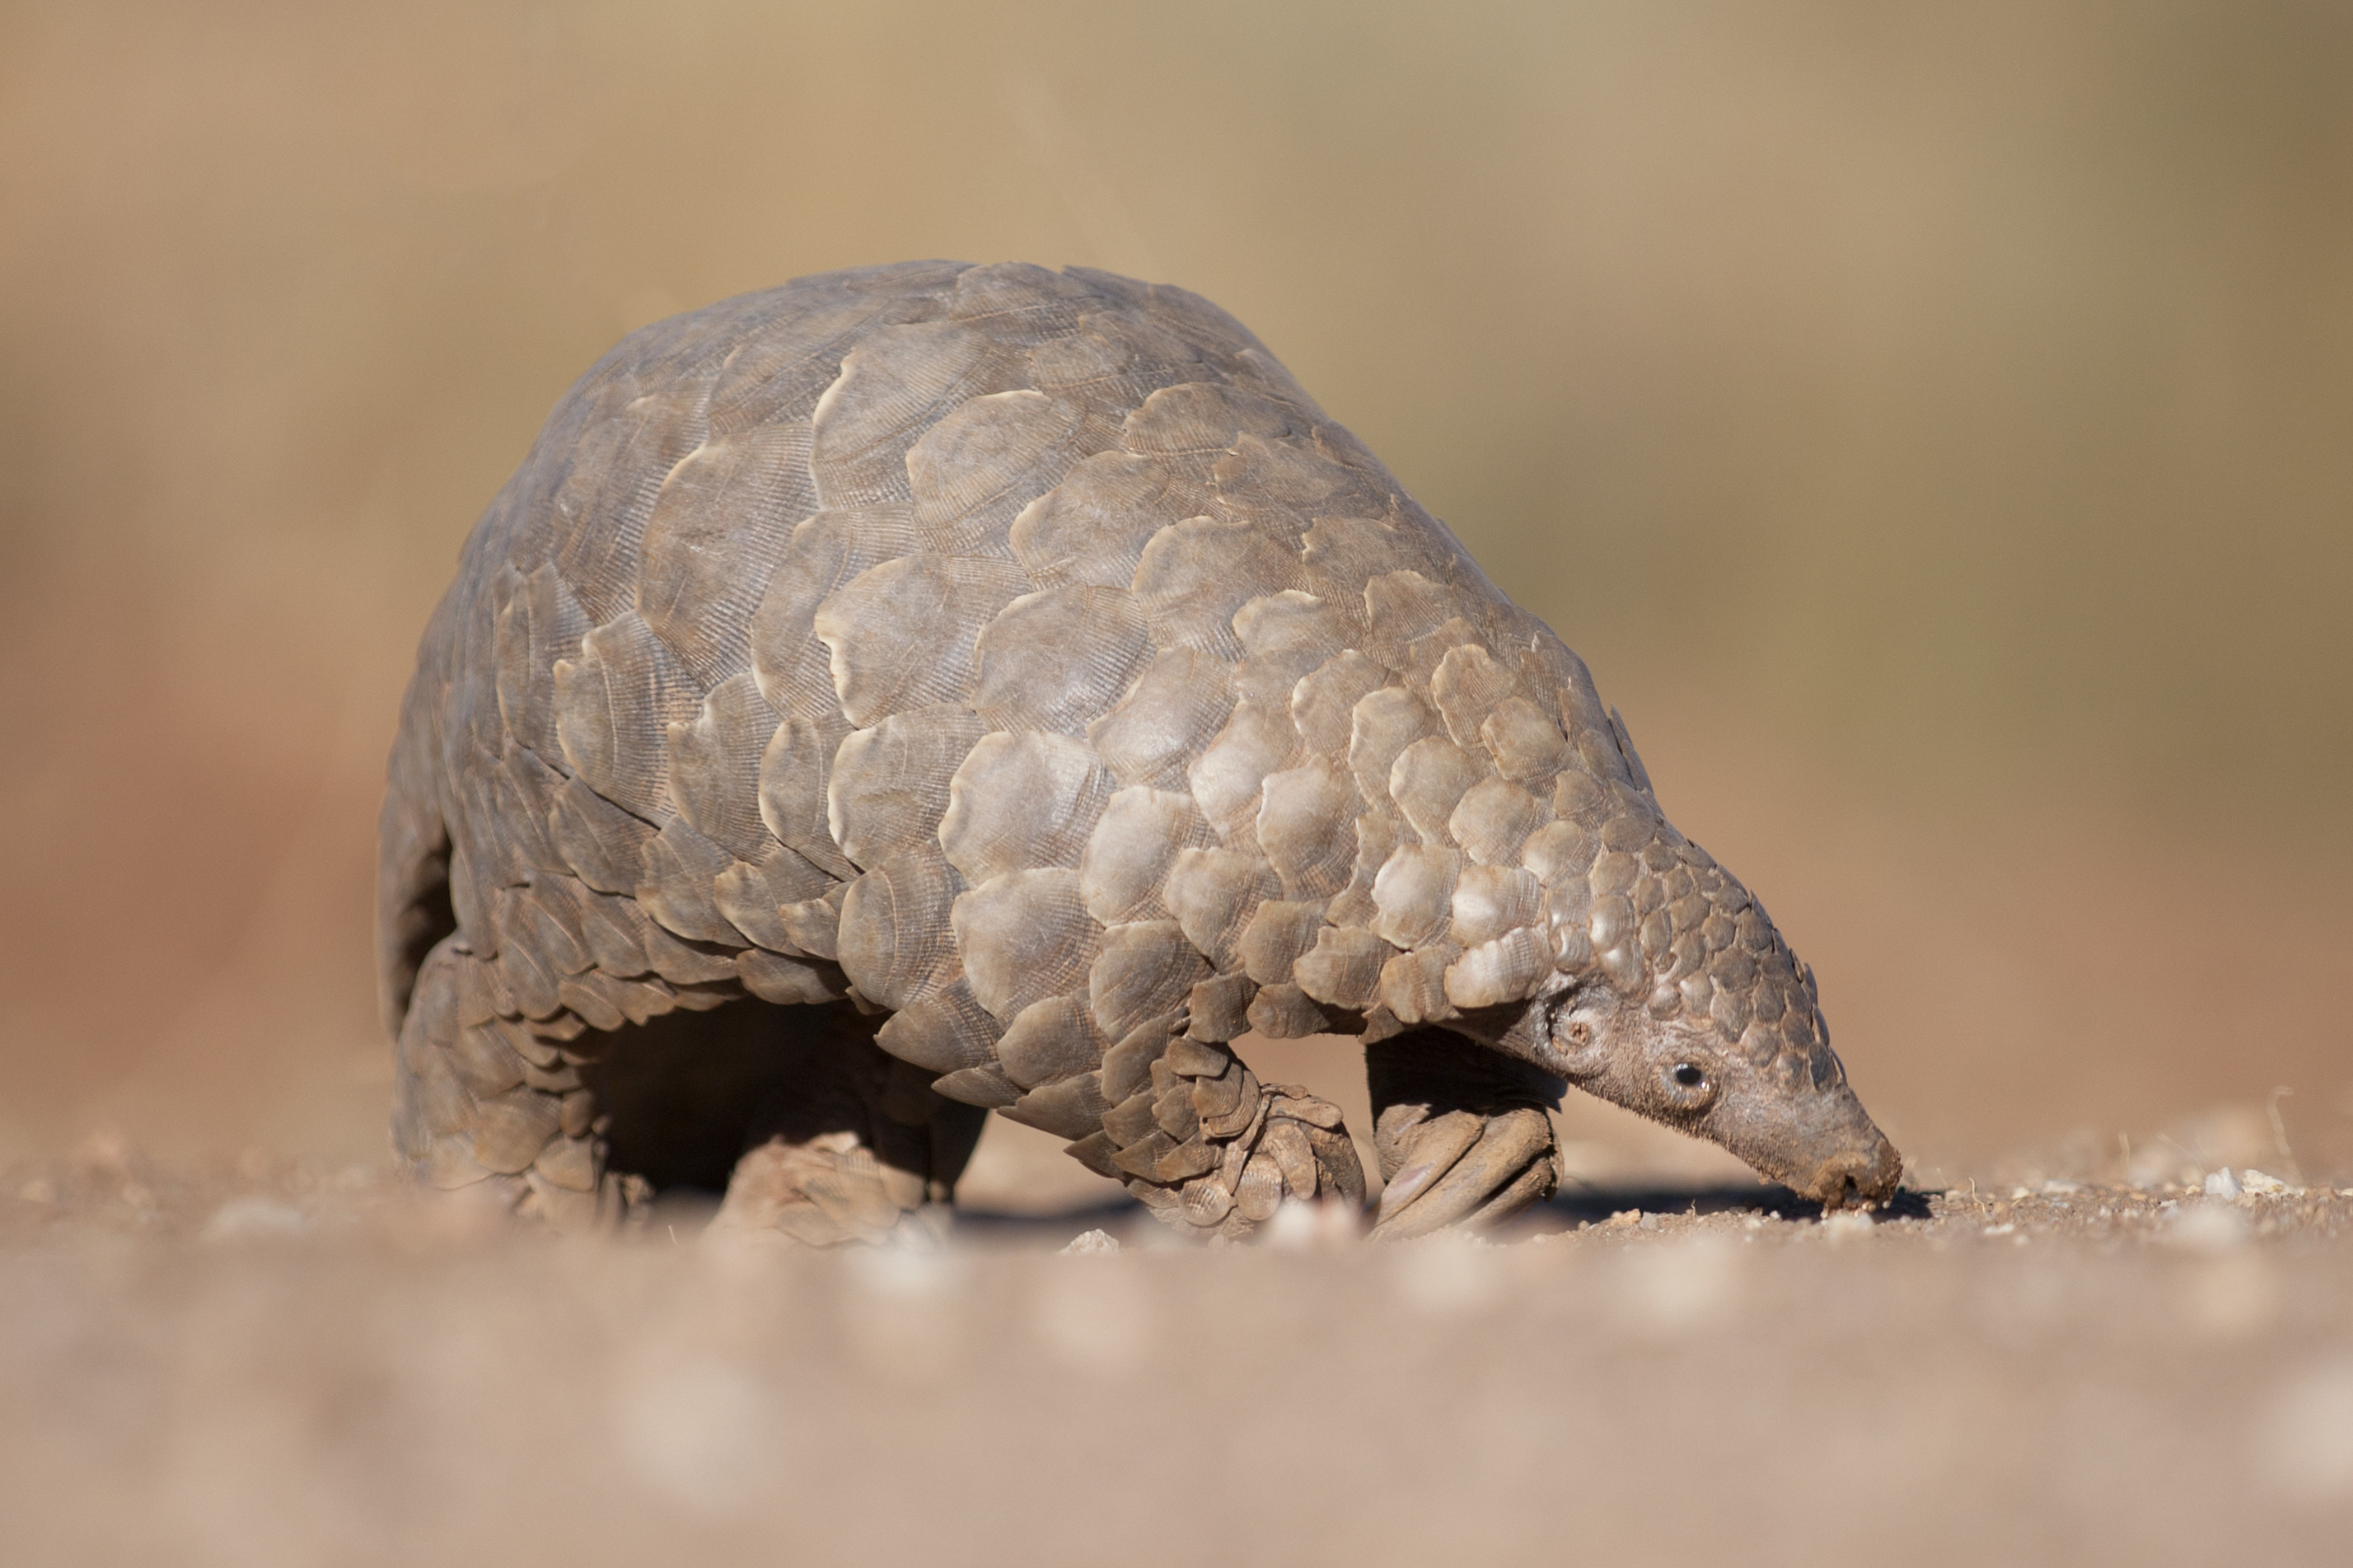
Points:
x=1865, y=1174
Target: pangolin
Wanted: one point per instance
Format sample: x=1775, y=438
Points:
x=933, y=688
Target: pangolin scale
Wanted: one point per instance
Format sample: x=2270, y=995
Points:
x=937, y=687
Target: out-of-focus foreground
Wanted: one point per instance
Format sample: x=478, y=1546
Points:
x=321, y=1374
x=1929, y=423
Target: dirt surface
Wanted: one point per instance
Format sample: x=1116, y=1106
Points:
x=254, y=1364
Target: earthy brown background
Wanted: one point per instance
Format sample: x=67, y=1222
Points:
x=1931, y=423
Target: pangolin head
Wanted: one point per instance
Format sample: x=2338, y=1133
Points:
x=1674, y=996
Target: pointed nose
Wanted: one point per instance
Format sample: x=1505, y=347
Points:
x=1866, y=1174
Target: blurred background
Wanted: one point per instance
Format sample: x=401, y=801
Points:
x=1932, y=425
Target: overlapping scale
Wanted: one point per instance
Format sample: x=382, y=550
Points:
x=1020, y=801
x=1093, y=525
x=1060, y=659
x=720, y=522
x=896, y=384
x=714, y=766
x=1023, y=937
x=888, y=786
x=614, y=707
x=905, y=634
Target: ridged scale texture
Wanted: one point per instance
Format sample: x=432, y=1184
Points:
x=1024, y=653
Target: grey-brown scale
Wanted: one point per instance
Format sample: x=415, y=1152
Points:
x=1018, y=673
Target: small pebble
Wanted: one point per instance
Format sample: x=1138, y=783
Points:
x=1846, y=1224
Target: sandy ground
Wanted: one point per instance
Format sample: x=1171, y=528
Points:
x=255, y=1363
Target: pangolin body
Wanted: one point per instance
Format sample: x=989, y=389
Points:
x=1017, y=672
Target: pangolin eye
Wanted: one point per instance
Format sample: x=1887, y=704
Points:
x=1688, y=1076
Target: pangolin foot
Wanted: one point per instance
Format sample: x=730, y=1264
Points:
x=826, y=1192
x=1460, y=1168
x=1462, y=1133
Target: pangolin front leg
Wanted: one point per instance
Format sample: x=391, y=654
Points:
x=1207, y=1146
x=1461, y=1131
